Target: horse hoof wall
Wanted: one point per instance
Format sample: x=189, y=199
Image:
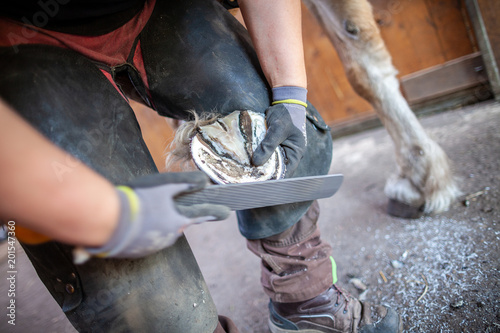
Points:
x=400, y=209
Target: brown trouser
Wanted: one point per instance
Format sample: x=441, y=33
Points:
x=296, y=264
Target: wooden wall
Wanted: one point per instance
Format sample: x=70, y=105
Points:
x=418, y=33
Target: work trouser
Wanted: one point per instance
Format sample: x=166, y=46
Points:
x=174, y=56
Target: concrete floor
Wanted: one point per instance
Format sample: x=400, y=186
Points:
x=448, y=279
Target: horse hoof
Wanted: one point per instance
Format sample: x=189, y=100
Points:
x=400, y=209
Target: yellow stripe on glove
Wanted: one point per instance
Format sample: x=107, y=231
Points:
x=290, y=101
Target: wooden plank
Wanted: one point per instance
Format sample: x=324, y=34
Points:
x=462, y=73
x=453, y=101
x=409, y=33
x=449, y=19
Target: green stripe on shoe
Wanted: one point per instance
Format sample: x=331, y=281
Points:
x=334, y=270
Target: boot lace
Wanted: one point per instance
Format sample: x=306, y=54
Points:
x=341, y=293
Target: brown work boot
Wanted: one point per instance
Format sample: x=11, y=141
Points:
x=332, y=311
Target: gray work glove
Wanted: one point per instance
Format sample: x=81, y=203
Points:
x=150, y=220
x=286, y=127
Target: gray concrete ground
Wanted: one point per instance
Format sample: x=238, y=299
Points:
x=440, y=272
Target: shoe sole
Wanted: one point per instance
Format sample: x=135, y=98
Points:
x=276, y=329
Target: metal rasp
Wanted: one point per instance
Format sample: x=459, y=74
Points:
x=265, y=193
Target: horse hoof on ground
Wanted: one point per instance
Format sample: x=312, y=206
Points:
x=397, y=208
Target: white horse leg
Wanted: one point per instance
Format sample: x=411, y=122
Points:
x=423, y=182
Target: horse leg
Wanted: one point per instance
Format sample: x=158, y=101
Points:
x=423, y=182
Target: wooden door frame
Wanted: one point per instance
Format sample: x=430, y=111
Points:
x=485, y=46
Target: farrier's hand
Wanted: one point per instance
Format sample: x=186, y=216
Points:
x=286, y=126
x=150, y=220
